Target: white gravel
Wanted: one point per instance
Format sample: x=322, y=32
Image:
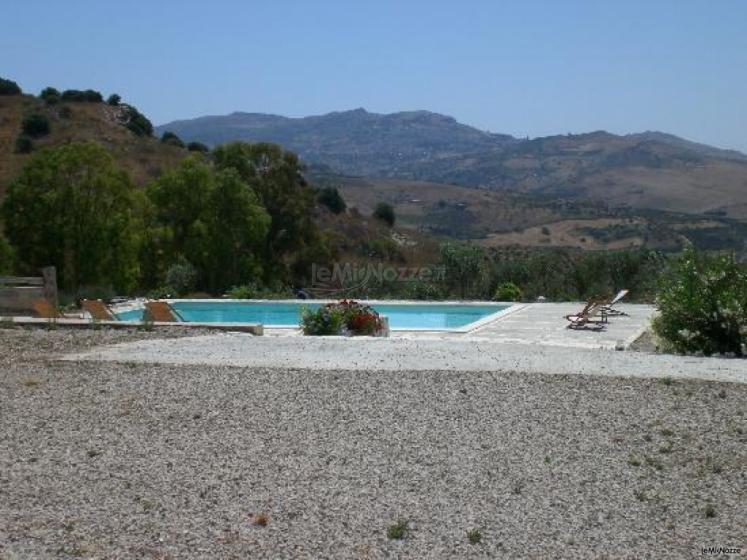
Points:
x=128, y=460
x=417, y=354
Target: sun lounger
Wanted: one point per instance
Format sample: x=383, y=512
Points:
x=162, y=312
x=591, y=317
x=46, y=310
x=609, y=306
x=98, y=310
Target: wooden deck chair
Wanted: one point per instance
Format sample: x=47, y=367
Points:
x=162, y=312
x=591, y=317
x=98, y=310
x=608, y=307
x=46, y=310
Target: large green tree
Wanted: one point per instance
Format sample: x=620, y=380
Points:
x=209, y=218
x=71, y=207
x=276, y=177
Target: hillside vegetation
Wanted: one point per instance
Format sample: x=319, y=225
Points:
x=143, y=157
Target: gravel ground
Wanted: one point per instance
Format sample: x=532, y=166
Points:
x=116, y=460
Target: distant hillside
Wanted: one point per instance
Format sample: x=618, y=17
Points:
x=355, y=142
x=650, y=170
x=142, y=157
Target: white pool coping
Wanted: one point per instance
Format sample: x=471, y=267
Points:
x=511, y=308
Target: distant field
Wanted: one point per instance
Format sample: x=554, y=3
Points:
x=500, y=218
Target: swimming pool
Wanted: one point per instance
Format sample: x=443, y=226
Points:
x=402, y=316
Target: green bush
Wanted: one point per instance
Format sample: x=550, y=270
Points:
x=6, y=255
x=702, y=303
x=385, y=213
x=508, y=291
x=82, y=96
x=114, y=100
x=324, y=321
x=9, y=87
x=332, y=199
x=246, y=291
x=198, y=147
x=24, y=144
x=50, y=95
x=426, y=291
x=344, y=317
x=35, y=125
x=182, y=277
x=137, y=123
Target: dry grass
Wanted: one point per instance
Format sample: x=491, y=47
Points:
x=143, y=158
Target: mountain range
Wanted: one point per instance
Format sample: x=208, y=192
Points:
x=649, y=170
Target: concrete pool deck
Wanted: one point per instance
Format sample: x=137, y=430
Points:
x=536, y=323
x=533, y=339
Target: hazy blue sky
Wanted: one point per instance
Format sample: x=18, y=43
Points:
x=520, y=67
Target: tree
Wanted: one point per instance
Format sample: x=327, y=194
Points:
x=136, y=122
x=198, y=147
x=385, y=213
x=9, y=87
x=72, y=208
x=332, y=199
x=172, y=139
x=276, y=178
x=50, y=95
x=82, y=96
x=114, y=100
x=464, y=268
x=35, y=125
x=212, y=220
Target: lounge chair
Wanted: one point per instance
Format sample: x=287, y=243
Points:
x=45, y=309
x=98, y=310
x=591, y=317
x=608, y=307
x=162, y=312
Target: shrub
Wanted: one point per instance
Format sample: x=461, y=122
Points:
x=383, y=248
x=172, y=139
x=508, y=291
x=24, y=144
x=702, y=303
x=399, y=530
x=385, y=213
x=50, y=95
x=82, y=96
x=9, y=87
x=197, y=147
x=424, y=291
x=182, y=277
x=246, y=291
x=325, y=321
x=345, y=317
x=114, y=100
x=474, y=536
x=35, y=125
x=332, y=199
x=137, y=123
x=65, y=112
x=6, y=255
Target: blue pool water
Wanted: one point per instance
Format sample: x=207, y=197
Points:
x=285, y=314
